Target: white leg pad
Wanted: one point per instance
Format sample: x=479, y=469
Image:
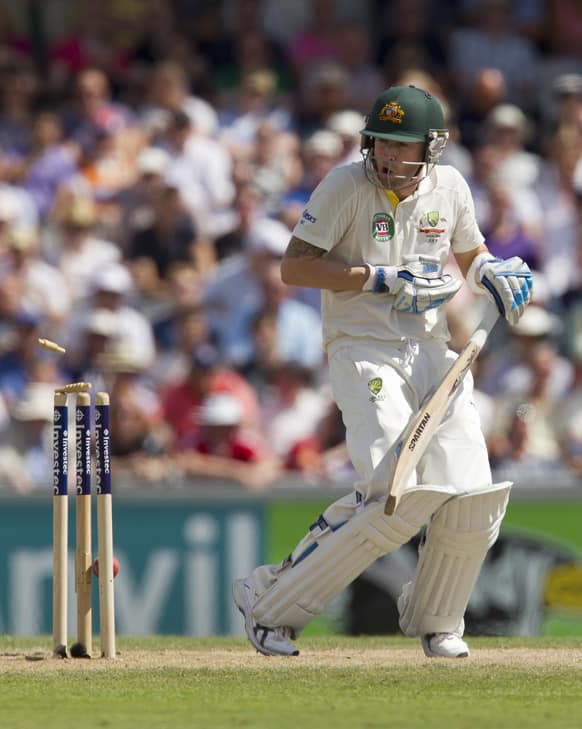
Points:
x=450, y=559
x=329, y=558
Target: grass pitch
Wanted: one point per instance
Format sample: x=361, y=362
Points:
x=336, y=682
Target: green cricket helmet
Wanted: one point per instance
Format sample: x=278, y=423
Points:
x=405, y=114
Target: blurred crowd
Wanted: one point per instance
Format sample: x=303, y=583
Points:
x=154, y=158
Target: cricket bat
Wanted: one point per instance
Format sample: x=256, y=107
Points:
x=418, y=433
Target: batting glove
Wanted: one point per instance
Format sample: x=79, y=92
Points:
x=508, y=282
x=417, y=286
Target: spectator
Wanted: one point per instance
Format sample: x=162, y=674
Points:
x=109, y=166
x=96, y=338
x=493, y=43
x=201, y=170
x=235, y=285
x=26, y=447
x=220, y=432
x=249, y=206
x=136, y=412
x=331, y=461
x=182, y=398
x=291, y=413
x=181, y=291
x=523, y=205
x=527, y=440
x=271, y=165
x=486, y=91
x=15, y=47
x=156, y=34
x=171, y=236
x=94, y=41
x=265, y=358
x=511, y=373
x=19, y=350
x=255, y=104
x=571, y=302
x=505, y=233
x=323, y=91
x=17, y=207
x=527, y=430
x=321, y=152
x=186, y=330
x=239, y=46
x=348, y=125
x=241, y=288
x=559, y=208
x=94, y=112
x=43, y=288
x=73, y=247
x=564, y=28
x=561, y=105
x=568, y=91
x=508, y=129
x=569, y=419
x=527, y=16
x=285, y=20
x=412, y=30
x=47, y=165
x=167, y=93
x=222, y=449
x=136, y=204
x=110, y=288
x=298, y=325
x=355, y=54
x=19, y=87
x=319, y=41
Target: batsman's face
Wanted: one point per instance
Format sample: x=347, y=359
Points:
x=397, y=163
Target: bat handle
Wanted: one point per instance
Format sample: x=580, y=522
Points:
x=490, y=317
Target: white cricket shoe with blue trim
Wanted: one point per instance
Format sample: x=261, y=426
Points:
x=268, y=641
x=444, y=645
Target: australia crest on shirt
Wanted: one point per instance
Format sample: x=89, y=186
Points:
x=431, y=226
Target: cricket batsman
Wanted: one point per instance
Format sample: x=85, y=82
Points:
x=374, y=237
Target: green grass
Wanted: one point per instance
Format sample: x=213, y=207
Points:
x=221, y=683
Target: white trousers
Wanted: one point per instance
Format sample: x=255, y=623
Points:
x=378, y=387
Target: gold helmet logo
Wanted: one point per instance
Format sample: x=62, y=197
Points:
x=391, y=112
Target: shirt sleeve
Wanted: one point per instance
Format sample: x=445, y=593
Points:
x=329, y=210
x=466, y=234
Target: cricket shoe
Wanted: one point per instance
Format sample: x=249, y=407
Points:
x=444, y=645
x=269, y=641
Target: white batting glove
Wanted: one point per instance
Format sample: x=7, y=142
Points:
x=417, y=286
x=508, y=282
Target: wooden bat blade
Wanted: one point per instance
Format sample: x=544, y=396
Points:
x=418, y=433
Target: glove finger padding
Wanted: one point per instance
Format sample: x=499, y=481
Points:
x=417, y=286
x=509, y=284
x=418, y=294
x=418, y=265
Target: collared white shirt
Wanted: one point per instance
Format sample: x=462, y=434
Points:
x=358, y=223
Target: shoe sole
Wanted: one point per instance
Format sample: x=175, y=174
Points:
x=431, y=654
x=239, y=595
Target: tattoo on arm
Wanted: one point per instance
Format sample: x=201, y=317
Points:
x=298, y=248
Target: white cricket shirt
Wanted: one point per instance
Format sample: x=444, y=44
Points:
x=356, y=223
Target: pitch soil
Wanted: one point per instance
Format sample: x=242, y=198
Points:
x=242, y=659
